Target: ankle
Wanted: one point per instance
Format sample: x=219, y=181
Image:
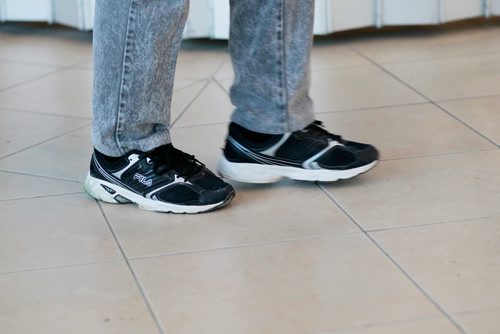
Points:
x=107, y=158
x=240, y=132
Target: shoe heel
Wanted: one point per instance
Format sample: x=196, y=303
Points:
x=93, y=187
x=246, y=172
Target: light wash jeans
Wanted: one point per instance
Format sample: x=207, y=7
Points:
x=135, y=52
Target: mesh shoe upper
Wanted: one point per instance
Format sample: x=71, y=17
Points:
x=310, y=148
x=164, y=174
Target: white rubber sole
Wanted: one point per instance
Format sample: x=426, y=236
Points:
x=94, y=188
x=256, y=173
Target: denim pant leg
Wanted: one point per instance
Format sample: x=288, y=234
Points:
x=135, y=52
x=270, y=44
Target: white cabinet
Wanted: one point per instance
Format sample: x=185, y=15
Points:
x=348, y=14
x=494, y=7
x=330, y=16
x=26, y=10
x=220, y=19
x=75, y=13
x=409, y=12
x=461, y=9
x=210, y=18
x=199, y=20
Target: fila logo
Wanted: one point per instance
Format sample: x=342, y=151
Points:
x=142, y=179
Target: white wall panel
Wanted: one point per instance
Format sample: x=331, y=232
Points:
x=461, y=9
x=88, y=14
x=199, y=20
x=68, y=13
x=320, y=17
x=220, y=19
x=408, y=12
x=210, y=18
x=26, y=10
x=495, y=7
x=75, y=13
x=350, y=14
x=330, y=15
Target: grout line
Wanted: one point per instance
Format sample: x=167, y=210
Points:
x=217, y=82
x=382, y=324
x=440, y=154
x=444, y=154
x=244, y=246
x=443, y=311
x=82, y=67
x=81, y=64
x=41, y=196
x=30, y=63
x=56, y=267
x=209, y=77
x=334, y=68
x=132, y=271
x=220, y=66
x=385, y=70
x=200, y=125
x=397, y=228
x=41, y=176
x=381, y=67
x=479, y=311
x=44, y=113
x=395, y=263
x=468, y=98
x=190, y=103
x=223, y=123
x=224, y=78
x=181, y=77
x=45, y=141
x=465, y=124
x=37, y=175
x=373, y=108
x=59, y=70
x=434, y=59
x=195, y=82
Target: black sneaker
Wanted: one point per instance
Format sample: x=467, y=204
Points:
x=165, y=179
x=312, y=154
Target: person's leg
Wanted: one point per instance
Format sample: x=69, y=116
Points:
x=135, y=51
x=273, y=134
x=270, y=44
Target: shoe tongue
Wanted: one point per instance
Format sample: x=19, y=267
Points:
x=167, y=158
x=316, y=129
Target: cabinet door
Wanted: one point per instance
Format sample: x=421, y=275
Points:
x=74, y=13
x=461, y=9
x=495, y=7
x=220, y=19
x=68, y=13
x=26, y=10
x=198, y=23
x=88, y=14
x=321, y=17
x=409, y=12
x=350, y=14
x=330, y=16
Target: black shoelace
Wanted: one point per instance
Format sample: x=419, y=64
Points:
x=317, y=129
x=167, y=157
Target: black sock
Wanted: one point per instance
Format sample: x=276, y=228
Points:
x=251, y=136
x=106, y=157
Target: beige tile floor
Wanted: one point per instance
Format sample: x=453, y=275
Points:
x=412, y=247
